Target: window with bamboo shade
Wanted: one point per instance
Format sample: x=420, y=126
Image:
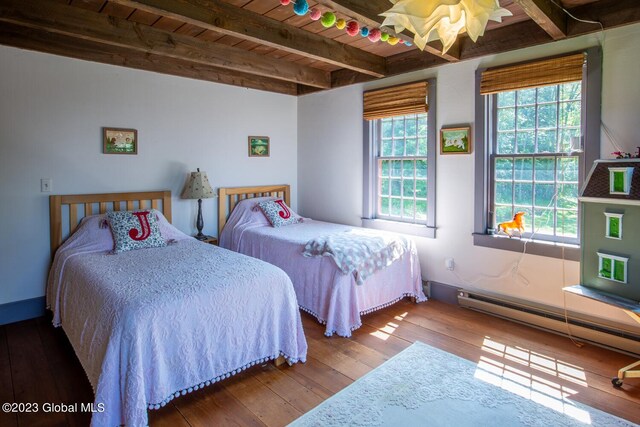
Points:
x=393, y=101
x=545, y=72
x=400, y=148
x=537, y=126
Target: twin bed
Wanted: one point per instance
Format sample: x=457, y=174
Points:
x=151, y=325
x=323, y=290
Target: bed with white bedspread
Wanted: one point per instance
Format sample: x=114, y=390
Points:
x=150, y=325
x=324, y=289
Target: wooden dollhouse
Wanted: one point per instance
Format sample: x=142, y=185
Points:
x=610, y=261
x=610, y=204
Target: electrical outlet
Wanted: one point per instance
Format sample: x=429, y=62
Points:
x=449, y=263
x=46, y=185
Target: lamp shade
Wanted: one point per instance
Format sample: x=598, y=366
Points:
x=198, y=187
x=443, y=19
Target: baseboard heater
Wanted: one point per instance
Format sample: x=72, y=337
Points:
x=582, y=328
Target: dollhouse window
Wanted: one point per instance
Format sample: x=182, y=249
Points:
x=620, y=180
x=613, y=225
x=612, y=267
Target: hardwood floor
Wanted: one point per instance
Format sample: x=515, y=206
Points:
x=37, y=364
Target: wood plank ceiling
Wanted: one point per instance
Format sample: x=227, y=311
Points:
x=264, y=45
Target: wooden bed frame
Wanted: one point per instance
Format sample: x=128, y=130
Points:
x=228, y=198
x=160, y=200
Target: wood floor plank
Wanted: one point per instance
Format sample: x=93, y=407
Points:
x=71, y=382
x=33, y=381
x=38, y=363
x=321, y=374
x=169, y=416
x=522, y=367
x=304, y=380
x=214, y=405
x=298, y=396
x=457, y=318
x=357, y=351
x=381, y=341
x=6, y=390
x=339, y=361
x=462, y=326
x=270, y=408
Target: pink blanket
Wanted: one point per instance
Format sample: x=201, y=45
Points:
x=321, y=287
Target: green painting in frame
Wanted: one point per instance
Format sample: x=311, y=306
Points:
x=455, y=140
x=259, y=146
x=120, y=141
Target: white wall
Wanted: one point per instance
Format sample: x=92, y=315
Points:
x=330, y=164
x=52, y=110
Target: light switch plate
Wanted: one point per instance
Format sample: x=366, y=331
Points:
x=46, y=185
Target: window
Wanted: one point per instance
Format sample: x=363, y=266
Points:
x=537, y=133
x=535, y=170
x=620, y=180
x=612, y=267
x=401, y=159
x=399, y=150
x=613, y=225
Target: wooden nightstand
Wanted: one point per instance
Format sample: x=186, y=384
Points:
x=211, y=240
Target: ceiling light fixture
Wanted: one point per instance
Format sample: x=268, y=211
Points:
x=443, y=19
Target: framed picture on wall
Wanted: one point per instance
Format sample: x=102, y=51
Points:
x=455, y=140
x=259, y=146
x=119, y=141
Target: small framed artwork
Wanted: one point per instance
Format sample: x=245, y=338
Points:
x=455, y=140
x=120, y=141
x=259, y=146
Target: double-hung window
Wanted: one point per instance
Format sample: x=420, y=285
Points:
x=401, y=168
x=536, y=121
x=400, y=159
x=535, y=169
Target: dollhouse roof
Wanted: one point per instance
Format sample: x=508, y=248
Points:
x=598, y=185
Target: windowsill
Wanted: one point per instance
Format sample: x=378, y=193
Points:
x=420, y=230
x=534, y=247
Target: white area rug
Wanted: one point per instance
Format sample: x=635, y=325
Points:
x=425, y=386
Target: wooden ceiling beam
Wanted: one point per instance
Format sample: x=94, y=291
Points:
x=58, y=44
x=368, y=13
x=504, y=39
x=87, y=25
x=549, y=16
x=401, y=63
x=609, y=13
x=235, y=21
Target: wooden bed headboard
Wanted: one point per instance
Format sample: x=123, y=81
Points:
x=86, y=203
x=230, y=196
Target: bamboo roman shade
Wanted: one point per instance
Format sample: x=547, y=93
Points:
x=532, y=74
x=396, y=101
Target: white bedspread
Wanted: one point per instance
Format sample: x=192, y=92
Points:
x=322, y=289
x=152, y=324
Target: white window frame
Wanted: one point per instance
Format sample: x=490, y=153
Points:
x=613, y=258
x=627, y=174
x=608, y=216
x=556, y=155
x=591, y=118
x=380, y=158
x=371, y=131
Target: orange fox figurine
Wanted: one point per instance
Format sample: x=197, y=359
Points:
x=517, y=223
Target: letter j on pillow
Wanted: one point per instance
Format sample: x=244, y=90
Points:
x=278, y=213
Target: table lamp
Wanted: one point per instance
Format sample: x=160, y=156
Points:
x=198, y=187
